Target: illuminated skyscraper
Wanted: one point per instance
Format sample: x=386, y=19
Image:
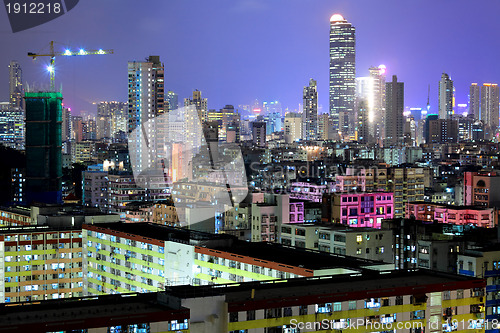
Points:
x=445, y=97
x=293, y=127
x=371, y=90
x=394, y=111
x=66, y=124
x=489, y=108
x=259, y=133
x=111, y=119
x=11, y=126
x=310, y=114
x=474, y=100
x=324, y=127
x=363, y=122
x=146, y=102
x=342, y=74
x=173, y=100
x=16, y=85
x=199, y=103
x=378, y=106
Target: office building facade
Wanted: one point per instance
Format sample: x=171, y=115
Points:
x=310, y=113
x=342, y=74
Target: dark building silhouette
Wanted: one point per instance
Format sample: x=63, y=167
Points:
x=394, y=97
x=43, y=147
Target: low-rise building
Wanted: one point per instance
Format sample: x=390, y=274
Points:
x=95, y=189
x=427, y=211
x=130, y=257
x=366, y=243
x=360, y=209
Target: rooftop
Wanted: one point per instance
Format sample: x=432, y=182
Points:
x=37, y=228
x=294, y=256
x=412, y=281
x=288, y=255
x=113, y=310
x=337, y=18
x=17, y=210
x=86, y=312
x=448, y=206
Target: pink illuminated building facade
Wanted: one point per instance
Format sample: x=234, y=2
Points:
x=426, y=211
x=362, y=209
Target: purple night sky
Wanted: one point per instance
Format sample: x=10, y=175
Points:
x=235, y=51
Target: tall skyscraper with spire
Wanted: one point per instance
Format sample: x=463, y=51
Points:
x=445, y=97
x=310, y=113
x=342, y=74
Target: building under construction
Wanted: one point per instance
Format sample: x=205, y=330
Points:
x=43, y=147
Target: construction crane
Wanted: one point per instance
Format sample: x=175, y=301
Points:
x=66, y=53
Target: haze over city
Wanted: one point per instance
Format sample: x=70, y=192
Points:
x=236, y=52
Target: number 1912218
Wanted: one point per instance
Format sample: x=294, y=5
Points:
x=33, y=8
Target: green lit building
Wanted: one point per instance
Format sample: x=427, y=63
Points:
x=43, y=147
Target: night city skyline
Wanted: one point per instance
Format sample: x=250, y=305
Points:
x=250, y=166
x=258, y=50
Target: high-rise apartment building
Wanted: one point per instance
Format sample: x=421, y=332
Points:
x=173, y=100
x=259, y=133
x=342, y=73
x=377, y=101
x=363, y=123
x=223, y=117
x=16, y=85
x=371, y=90
x=445, y=97
x=66, y=124
x=11, y=126
x=146, y=102
x=324, y=127
x=310, y=113
x=199, y=103
x=394, y=111
x=489, y=108
x=474, y=100
x=293, y=127
x=111, y=119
